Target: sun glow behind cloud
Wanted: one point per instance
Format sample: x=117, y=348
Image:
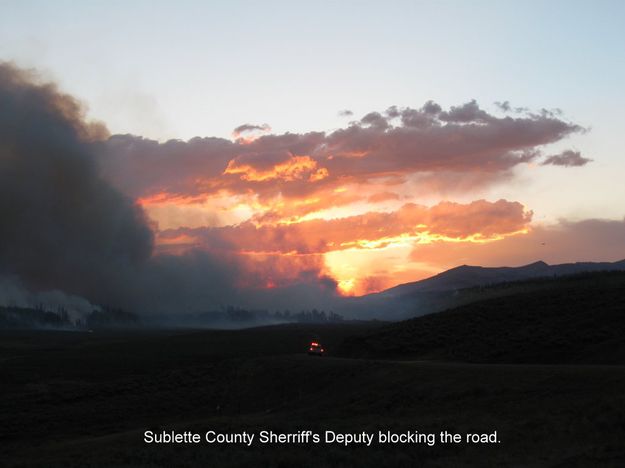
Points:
x=363, y=253
x=377, y=265
x=277, y=220
x=351, y=205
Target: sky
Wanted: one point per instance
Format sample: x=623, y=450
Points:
x=360, y=144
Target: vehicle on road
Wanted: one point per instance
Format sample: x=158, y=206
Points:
x=315, y=349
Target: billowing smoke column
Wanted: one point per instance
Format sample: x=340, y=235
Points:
x=64, y=227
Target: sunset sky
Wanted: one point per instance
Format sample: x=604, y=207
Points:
x=365, y=143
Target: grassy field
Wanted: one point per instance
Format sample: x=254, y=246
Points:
x=85, y=399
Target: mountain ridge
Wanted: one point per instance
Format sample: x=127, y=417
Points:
x=455, y=287
x=466, y=276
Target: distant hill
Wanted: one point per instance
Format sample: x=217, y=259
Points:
x=466, y=276
x=570, y=319
x=457, y=286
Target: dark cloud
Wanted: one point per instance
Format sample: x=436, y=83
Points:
x=469, y=112
x=568, y=158
x=345, y=113
x=431, y=108
x=448, y=144
x=375, y=119
x=140, y=167
x=468, y=140
x=249, y=128
x=503, y=106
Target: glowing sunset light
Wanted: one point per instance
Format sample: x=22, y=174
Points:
x=310, y=185
x=294, y=168
x=342, y=206
x=340, y=242
x=168, y=198
x=346, y=286
x=350, y=210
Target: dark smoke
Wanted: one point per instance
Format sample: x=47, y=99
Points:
x=65, y=228
x=568, y=158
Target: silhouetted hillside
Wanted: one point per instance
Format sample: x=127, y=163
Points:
x=466, y=276
x=451, y=288
x=574, y=319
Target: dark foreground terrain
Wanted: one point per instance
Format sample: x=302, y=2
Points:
x=85, y=399
x=578, y=319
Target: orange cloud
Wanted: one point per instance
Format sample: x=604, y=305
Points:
x=566, y=241
x=275, y=202
x=478, y=221
x=382, y=196
x=291, y=169
x=166, y=198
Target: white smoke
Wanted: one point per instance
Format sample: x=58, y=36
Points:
x=14, y=294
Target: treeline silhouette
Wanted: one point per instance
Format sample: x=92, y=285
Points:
x=237, y=316
x=60, y=318
x=37, y=317
x=115, y=317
